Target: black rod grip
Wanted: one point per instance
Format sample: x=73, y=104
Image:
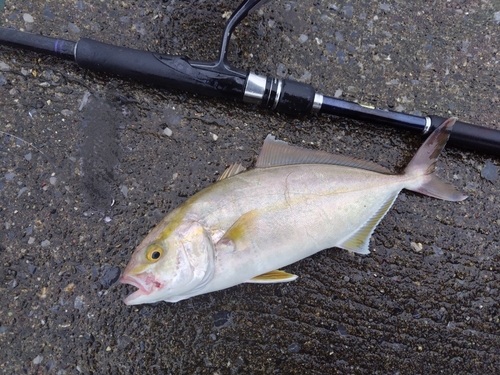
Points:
x=473, y=137
x=173, y=72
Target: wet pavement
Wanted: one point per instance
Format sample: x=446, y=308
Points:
x=90, y=163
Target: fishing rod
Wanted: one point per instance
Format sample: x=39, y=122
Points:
x=219, y=79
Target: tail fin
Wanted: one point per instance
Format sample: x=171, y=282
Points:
x=424, y=163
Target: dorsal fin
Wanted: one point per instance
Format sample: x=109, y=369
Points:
x=232, y=170
x=275, y=152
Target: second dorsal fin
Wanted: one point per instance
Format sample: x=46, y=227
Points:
x=275, y=153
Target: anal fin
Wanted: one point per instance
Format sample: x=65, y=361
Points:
x=276, y=276
x=360, y=240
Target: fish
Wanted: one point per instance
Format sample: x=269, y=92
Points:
x=294, y=203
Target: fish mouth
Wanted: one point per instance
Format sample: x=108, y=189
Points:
x=145, y=284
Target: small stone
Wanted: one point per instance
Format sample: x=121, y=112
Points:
x=4, y=67
x=139, y=27
x=80, y=5
x=496, y=17
x=28, y=18
x=37, y=360
x=66, y=112
x=73, y=28
x=167, y=132
x=45, y=243
x=214, y=136
x=31, y=241
x=79, y=303
x=21, y=191
x=12, y=283
x=69, y=288
x=28, y=156
x=110, y=275
x=95, y=272
x=303, y=38
x=50, y=365
x=305, y=77
x=342, y=330
x=85, y=100
x=53, y=180
x=437, y=250
x=417, y=247
x=282, y=70
x=221, y=318
x=293, y=347
x=9, y=176
x=48, y=74
x=489, y=172
x=348, y=10
x=32, y=269
x=172, y=117
x=124, y=190
x=81, y=268
x=47, y=13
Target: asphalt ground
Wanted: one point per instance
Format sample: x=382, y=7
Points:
x=88, y=167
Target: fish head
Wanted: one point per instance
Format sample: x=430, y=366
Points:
x=170, y=265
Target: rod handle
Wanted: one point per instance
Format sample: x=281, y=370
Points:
x=166, y=71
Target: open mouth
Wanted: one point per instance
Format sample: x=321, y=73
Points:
x=145, y=285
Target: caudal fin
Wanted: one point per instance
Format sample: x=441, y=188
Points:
x=424, y=163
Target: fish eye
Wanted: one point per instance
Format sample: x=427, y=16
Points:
x=154, y=252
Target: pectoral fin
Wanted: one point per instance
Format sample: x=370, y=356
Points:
x=276, y=276
x=239, y=235
x=360, y=240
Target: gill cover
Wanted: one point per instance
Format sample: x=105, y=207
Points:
x=195, y=261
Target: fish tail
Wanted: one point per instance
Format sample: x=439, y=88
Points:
x=424, y=164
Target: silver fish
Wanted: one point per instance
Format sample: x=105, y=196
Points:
x=294, y=203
